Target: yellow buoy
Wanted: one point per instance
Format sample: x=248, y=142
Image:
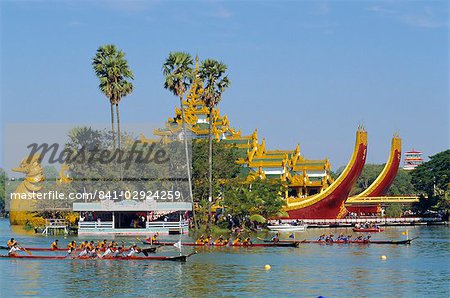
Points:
x=267, y=267
x=383, y=257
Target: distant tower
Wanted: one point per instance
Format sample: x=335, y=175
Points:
x=412, y=159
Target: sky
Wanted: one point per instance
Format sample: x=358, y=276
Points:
x=305, y=72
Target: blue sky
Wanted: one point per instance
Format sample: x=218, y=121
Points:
x=303, y=72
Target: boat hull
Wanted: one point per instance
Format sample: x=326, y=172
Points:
x=291, y=244
x=137, y=258
x=368, y=230
x=362, y=242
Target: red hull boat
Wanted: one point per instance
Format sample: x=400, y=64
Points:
x=137, y=258
x=287, y=244
x=368, y=230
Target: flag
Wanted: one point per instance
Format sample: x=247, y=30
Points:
x=292, y=235
x=177, y=244
x=405, y=233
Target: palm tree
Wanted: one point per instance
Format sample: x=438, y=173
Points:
x=212, y=73
x=112, y=70
x=178, y=75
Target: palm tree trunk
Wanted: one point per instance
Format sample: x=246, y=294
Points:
x=118, y=142
x=210, y=170
x=112, y=128
x=188, y=164
x=118, y=126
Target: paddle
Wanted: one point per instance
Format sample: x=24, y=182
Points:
x=25, y=250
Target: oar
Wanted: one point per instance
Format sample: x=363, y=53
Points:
x=25, y=250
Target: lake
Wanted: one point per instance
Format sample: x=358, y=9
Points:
x=312, y=270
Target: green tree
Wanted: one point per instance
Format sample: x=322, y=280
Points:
x=178, y=76
x=224, y=167
x=368, y=175
x=402, y=184
x=212, y=73
x=432, y=179
x=3, y=178
x=50, y=173
x=113, y=71
x=261, y=197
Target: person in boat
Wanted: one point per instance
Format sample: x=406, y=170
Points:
x=72, y=246
x=276, y=238
x=367, y=239
x=14, y=249
x=247, y=242
x=321, y=237
x=94, y=253
x=11, y=242
x=359, y=238
x=84, y=252
x=329, y=238
x=54, y=245
x=133, y=250
x=109, y=251
x=207, y=240
x=91, y=245
x=103, y=244
x=200, y=240
x=237, y=241
x=155, y=237
x=219, y=241
x=346, y=238
x=83, y=245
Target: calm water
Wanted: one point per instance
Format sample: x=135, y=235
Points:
x=419, y=270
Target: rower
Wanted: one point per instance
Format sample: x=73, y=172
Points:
x=331, y=238
x=91, y=245
x=94, y=252
x=321, y=238
x=237, y=241
x=13, y=250
x=83, y=245
x=84, y=252
x=103, y=244
x=11, y=242
x=276, y=238
x=219, y=241
x=207, y=240
x=54, y=245
x=108, y=251
x=155, y=237
x=72, y=246
x=134, y=250
x=200, y=240
x=247, y=242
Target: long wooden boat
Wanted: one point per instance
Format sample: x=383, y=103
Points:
x=182, y=258
x=148, y=250
x=407, y=241
x=368, y=230
x=286, y=244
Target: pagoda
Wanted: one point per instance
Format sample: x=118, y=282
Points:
x=412, y=160
x=304, y=177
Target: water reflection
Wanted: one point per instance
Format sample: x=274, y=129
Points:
x=311, y=270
